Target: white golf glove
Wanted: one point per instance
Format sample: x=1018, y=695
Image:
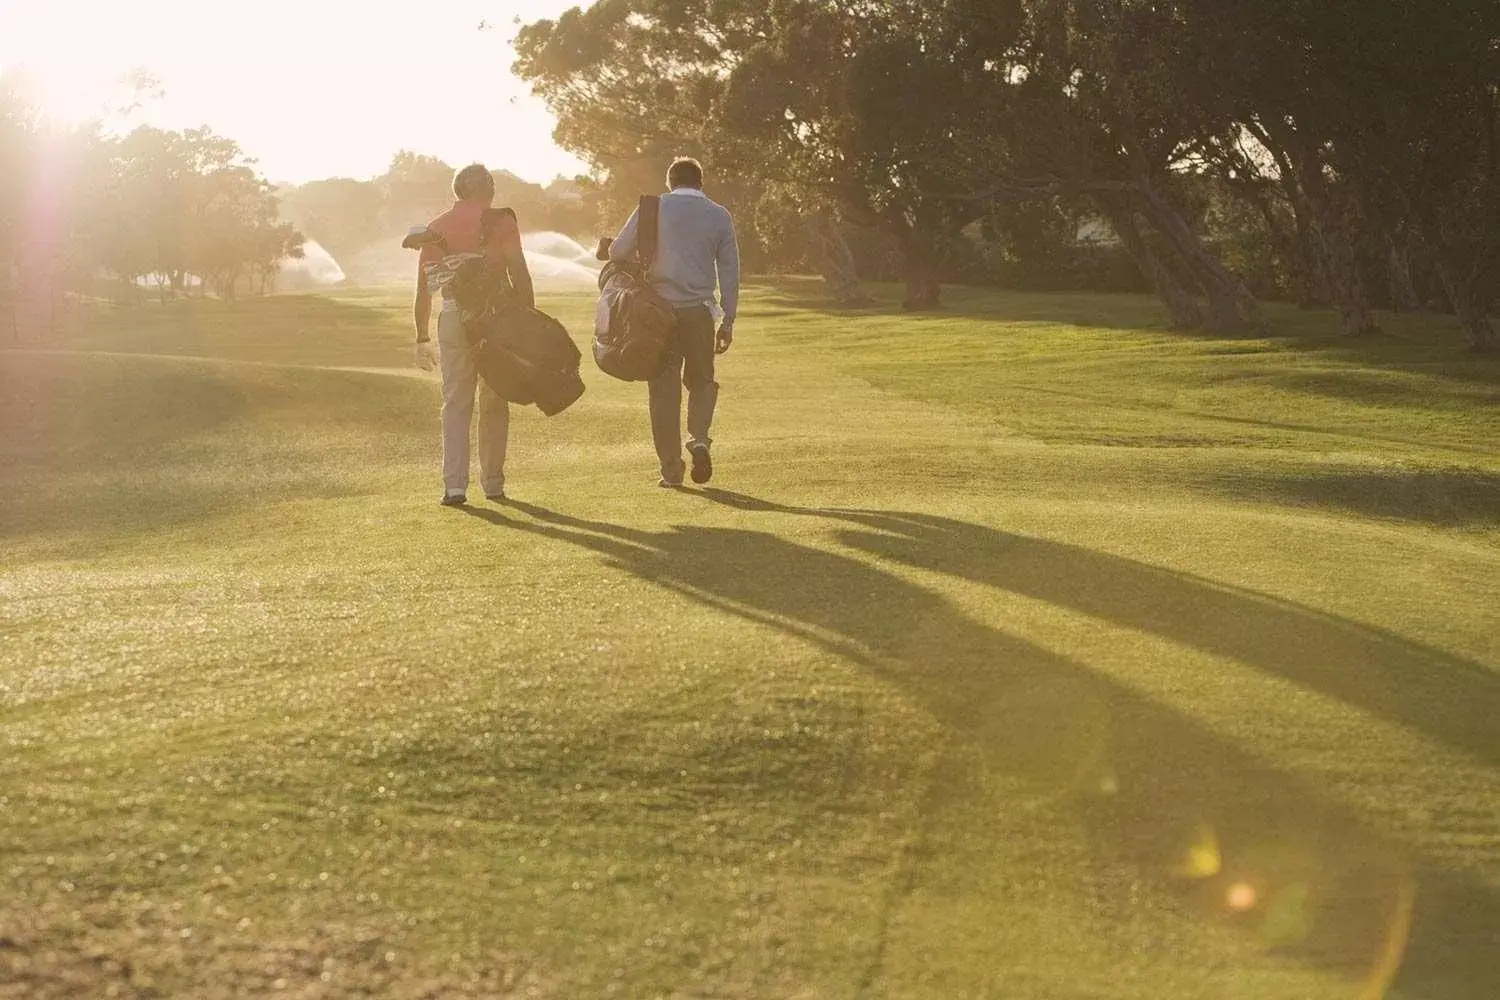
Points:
x=426, y=356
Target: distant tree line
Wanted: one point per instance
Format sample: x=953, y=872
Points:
x=348, y=217
x=1335, y=152
x=169, y=213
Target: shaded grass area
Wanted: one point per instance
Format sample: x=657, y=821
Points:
x=1455, y=497
x=103, y=447
x=931, y=697
x=1106, y=369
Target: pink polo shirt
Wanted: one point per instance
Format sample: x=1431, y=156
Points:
x=459, y=227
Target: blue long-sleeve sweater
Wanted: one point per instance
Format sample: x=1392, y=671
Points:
x=695, y=242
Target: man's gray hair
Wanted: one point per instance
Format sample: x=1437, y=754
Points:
x=471, y=180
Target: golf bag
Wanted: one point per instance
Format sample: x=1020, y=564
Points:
x=635, y=329
x=522, y=354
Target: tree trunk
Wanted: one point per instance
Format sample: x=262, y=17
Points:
x=1404, y=297
x=919, y=270
x=836, y=262
x=1295, y=243
x=1310, y=284
x=1231, y=305
x=1348, y=288
x=918, y=266
x=1310, y=276
x=1326, y=223
x=1331, y=230
x=923, y=292
x=1335, y=238
x=1182, y=305
x=1470, y=304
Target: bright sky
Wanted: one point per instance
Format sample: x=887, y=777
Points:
x=309, y=88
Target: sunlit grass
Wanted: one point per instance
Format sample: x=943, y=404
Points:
x=1012, y=657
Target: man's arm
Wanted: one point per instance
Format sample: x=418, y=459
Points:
x=727, y=260
x=425, y=355
x=625, y=244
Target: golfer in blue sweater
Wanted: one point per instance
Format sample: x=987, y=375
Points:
x=696, y=251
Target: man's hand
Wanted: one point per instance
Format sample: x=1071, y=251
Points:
x=725, y=337
x=425, y=356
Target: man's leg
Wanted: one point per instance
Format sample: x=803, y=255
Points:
x=696, y=333
x=460, y=376
x=666, y=420
x=494, y=429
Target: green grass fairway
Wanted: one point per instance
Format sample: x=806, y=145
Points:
x=1025, y=651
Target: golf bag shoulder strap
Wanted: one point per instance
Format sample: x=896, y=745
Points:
x=491, y=218
x=648, y=223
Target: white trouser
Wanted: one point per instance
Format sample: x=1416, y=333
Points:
x=460, y=382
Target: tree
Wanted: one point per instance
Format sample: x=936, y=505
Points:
x=179, y=205
x=1429, y=153
x=867, y=114
x=233, y=233
x=1078, y=100
x=1376, y=129
x=415, y=188
x=160, y=191
x=344, y=216
x=1361, y=134
x=636, y=82
x=916, y=118
x=153, y=204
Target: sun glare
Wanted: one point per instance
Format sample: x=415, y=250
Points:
x=67, y=95
x=291, y=79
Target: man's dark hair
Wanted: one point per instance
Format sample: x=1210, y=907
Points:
x=472, y=180
x=685, y=172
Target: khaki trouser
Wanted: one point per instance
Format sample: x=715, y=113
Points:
x=460, y=382
x=693, y=364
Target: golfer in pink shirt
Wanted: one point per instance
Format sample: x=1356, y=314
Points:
x=460, y=227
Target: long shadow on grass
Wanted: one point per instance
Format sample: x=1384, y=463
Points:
x=1452, y=700
x=1141, y=776
x=1444, y=497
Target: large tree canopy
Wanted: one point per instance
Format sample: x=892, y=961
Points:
x=1350, y=131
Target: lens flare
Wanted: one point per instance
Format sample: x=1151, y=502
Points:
x=1203, y=858
x=1393, y=948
